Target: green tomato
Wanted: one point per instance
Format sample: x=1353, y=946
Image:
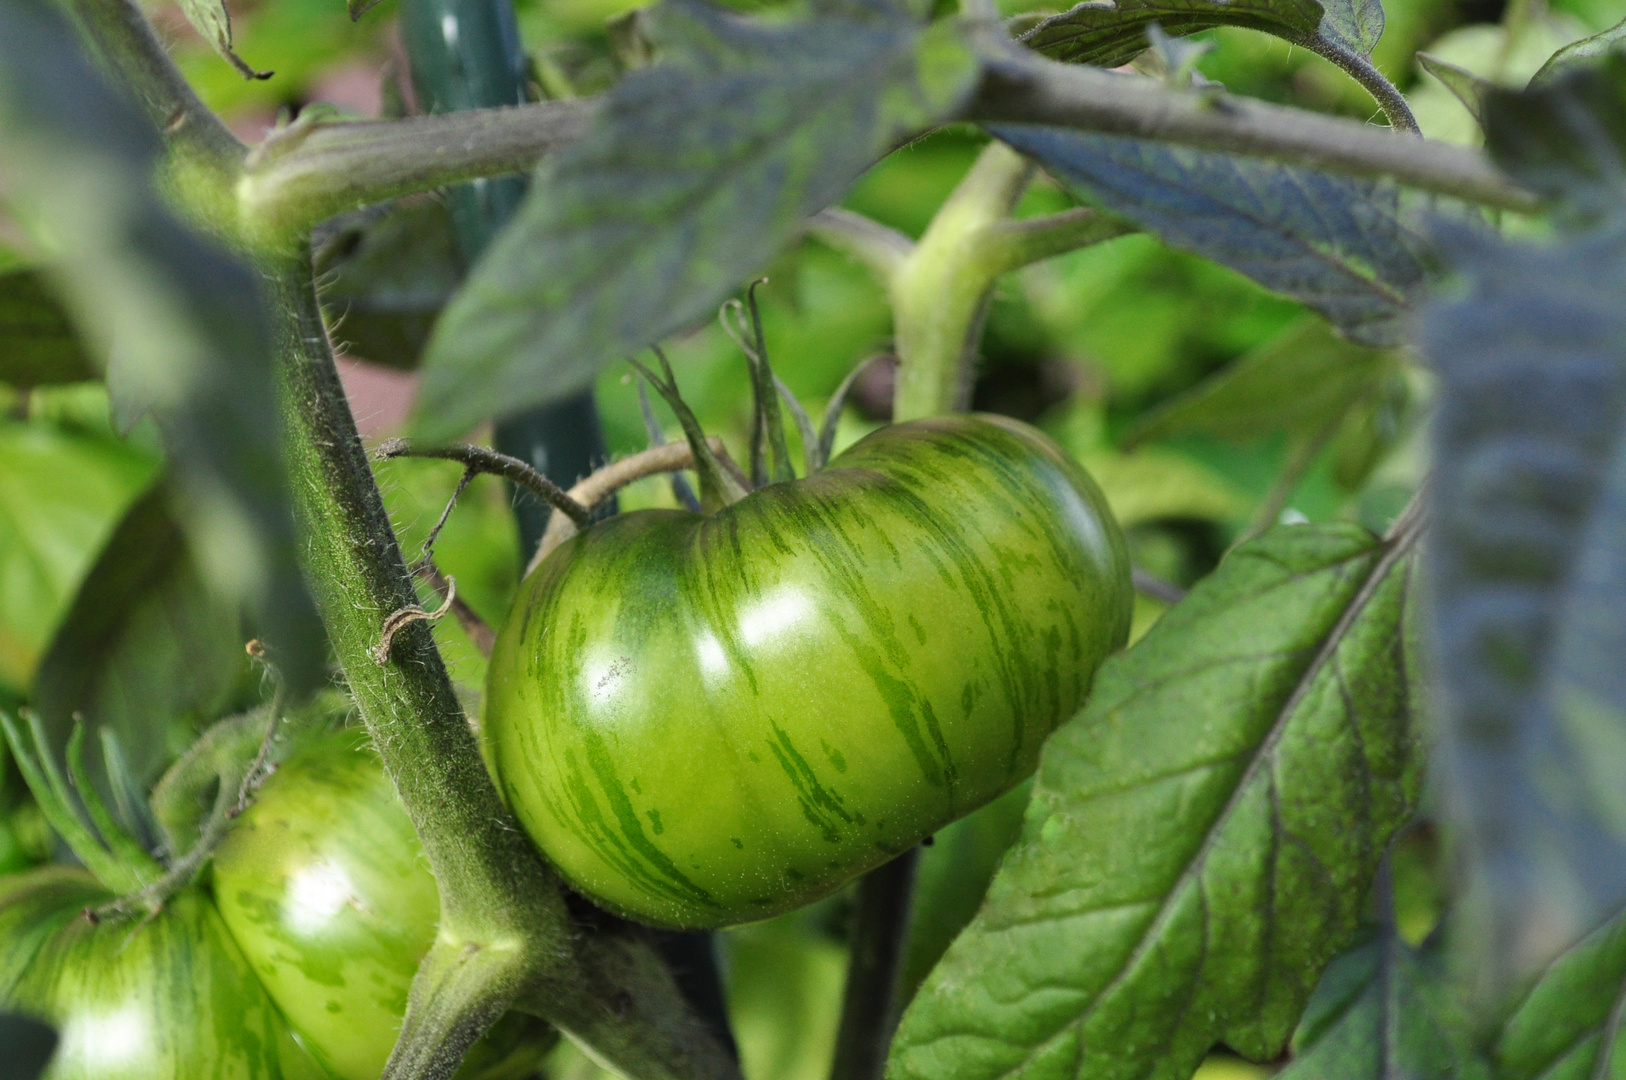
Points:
x=708, y=720
x=166, y=997
x=325, y=888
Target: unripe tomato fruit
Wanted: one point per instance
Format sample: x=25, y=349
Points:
x=165, y=997
x=707, y=720
x=323, y=883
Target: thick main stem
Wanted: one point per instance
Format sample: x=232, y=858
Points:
x=940, y=292
x=880, y=932
x=498, y=899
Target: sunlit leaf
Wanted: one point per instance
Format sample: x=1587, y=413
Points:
x=1200, y=835
x=650, y=221
x=145, y=649
x=1336, y=244
x=182, y=321
x=1568, y=1026
x=38, y=346
x=61, y=494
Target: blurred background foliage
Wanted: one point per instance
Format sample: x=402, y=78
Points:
x=1130, y=354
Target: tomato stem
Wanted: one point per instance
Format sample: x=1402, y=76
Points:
x=880, y=932
x=717, y=488
x=483, y=459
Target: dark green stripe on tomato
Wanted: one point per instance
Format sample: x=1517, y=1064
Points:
x=704, y=720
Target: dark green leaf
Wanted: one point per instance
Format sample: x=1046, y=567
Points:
x=653, y=219
x=1352, y=25
x=1298, y=382
x=62, y=492
x=1566, y=139
x=183, y=321
x=145, y=650
x=1333, y=243
x=213, y=22
x=1108, y=34
x=1382, y=1012
x=1579, y=52
x=37, y=344
x=1528, y=567
x=1569, y=1026
x=1467, y=87
x=28, y=1046
x=385, y=279
x=1200, y=837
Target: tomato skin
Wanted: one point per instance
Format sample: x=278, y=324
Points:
x=134, y=998
x=704, y=721
x=324, y=886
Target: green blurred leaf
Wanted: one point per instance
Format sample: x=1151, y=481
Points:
x=29, y=1045
x=1382, y=1012
x=1568, y=1026
x=1580, y=52
x=784, y=997
x=385, y=279
x=1199, y=836
x=1467, y=87
x=1299, y=382
x=649, y=222
x=37, y=344
x=213, y=22
x=62, y=492
x=1108, y=33
x=1528, y=568
x=146, y=649
x=183, y=321
x=951, y=880
x=1335, y=244
x=1566, y=139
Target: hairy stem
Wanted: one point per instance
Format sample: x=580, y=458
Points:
x=1373, y=81
x=1021, y=87
x=483, y=459
x=505, y=930
x=301, y=175
x=124, y=41
x=880, y=932
x=939, y=292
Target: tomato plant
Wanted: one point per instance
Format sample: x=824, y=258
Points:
x=708, y=720
x=323, y=886
x=1070, y=715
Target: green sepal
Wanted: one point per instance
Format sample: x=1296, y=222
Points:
x=118, y=842
x=50, y=791
x=717, y=487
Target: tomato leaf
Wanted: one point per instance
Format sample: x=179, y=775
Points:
x=1199, y=836
x=183, y=321
x=211, y=20
x=653, y=219
x=1382, y=1010
x=146, y=649
x=62, y=492
x=1300, y=381
x=1579, y=52
x=1528, y=567
x=1108, y=33
x=1566, y=139
x=1568, y=1024
x=1335, y=244
x=385, y=279
x=29, y=1045
x=37, y=344
x=1464, y=85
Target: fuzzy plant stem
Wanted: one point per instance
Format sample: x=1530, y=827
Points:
x=880, y=932
x=505, y=936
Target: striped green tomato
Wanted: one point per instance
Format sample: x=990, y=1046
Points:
x=165, y=997
x=708, y=720
x=324, y=885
